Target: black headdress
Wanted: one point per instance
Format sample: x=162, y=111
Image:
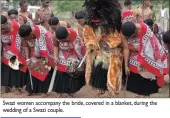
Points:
x=107, y=12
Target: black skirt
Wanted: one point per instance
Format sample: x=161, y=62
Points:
x=38, y=85
x=99, y=77
x=13, y=78
x=64, y=83
x=141, y=86
x=123, y=73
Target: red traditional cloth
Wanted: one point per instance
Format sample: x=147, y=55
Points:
x=150, y=55
x=50, y=47
x=42, y=40
x=65, y=56
x=49, y=41
x=127, y=15
x=13, y=39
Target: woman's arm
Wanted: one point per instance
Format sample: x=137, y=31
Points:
x=125, y=53
x=26, y=48
x=55, y=42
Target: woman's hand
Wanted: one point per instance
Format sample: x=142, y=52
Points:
x=56, y=60
x=127, y=70
x=28, y=63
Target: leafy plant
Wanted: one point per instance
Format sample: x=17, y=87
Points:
x=69, y=6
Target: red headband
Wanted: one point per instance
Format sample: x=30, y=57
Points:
x=126, y=14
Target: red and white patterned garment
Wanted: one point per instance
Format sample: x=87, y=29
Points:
x=11, y=42
x=146, y=53
x=69, y=51
x=41, y=46
x=127, y=16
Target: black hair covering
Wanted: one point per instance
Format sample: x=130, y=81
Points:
x=166, y=37
x=53, y=21
x=149, y=22
x=108, y=11
x=61, y=33
x=3, y=19
x=12, y=11
x=128, y=29
x=24, y=30
x=80, y=14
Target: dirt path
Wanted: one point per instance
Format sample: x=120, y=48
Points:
x=87, y=92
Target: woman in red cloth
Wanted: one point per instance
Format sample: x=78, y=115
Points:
x=166, y=40
x=13, y=14
x=127, y=15
x=157, y=31
x=69, y=78
x=9, y=37
x=37, y=45
x=147, y=61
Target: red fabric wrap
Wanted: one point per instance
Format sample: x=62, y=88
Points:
x=68, y=54
x=15, y=45
x=148, y=60
x=41, y=36
x=126, y=14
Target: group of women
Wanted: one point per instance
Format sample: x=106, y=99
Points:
x=45, y=54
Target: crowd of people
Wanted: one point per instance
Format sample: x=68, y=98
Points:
x=112, y=46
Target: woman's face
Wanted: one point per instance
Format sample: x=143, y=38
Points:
x=13, y=17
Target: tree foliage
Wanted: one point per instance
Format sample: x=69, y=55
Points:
x=69, y=5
